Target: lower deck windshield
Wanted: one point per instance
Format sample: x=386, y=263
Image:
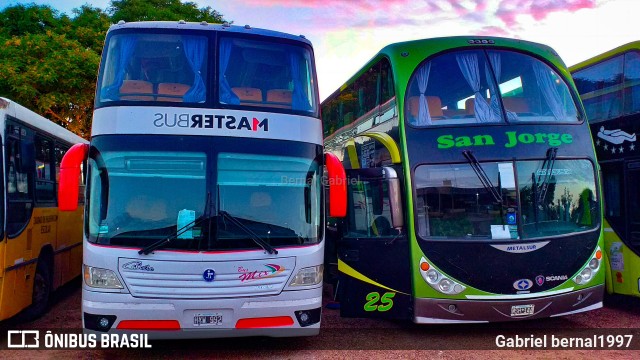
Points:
x=206, y=194
x=516, y=200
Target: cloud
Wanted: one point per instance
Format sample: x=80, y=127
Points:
x=509, y=10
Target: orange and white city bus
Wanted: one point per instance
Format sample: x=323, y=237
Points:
x=204, y=189
x=39, y=245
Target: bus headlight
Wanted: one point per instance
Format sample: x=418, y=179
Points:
x=101, y=278
x=308, y=276
x=589, y=271
x=438, y=281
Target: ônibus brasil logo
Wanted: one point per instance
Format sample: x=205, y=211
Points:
x=208, y=121
x=247, y=275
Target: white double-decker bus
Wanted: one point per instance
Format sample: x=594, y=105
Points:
x=204, y=196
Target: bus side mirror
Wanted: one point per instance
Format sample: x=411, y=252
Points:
x=395, y=203
x=27, y=162
x=337, y=181
x=70, y=168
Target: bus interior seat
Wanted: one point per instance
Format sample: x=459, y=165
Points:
x=172, y=91
x=281, y=97
x=248, y=96
x=516, y=104
x=433, y=103
x=138, y=90
x=513, y=104
x=469, y=106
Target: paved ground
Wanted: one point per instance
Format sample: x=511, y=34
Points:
x=361, y=338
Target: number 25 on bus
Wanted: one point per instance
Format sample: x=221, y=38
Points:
x=473, y=189
x=205, y=202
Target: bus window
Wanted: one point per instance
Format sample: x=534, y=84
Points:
x=599, y=86
x=531, y=90
x=443, y=84
x=631, y=82
x=369, y=212
x=242, y=66
x=459, y=88
x=613, y=190
x=564, y=201
x=147, y=67
x=19, y=188
x=44, y=180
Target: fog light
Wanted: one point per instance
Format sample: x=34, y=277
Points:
x=304, y=317
x=98, y=322
x=308, y=317
x=103, y=323
x=452, y=308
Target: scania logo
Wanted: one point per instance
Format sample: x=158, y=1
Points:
x=523, y=284
x=210, y=121
x=137, y=265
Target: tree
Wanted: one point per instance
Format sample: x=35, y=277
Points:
x=49, y=61
x=19, y=20
x=169, y=10
x=51, y=75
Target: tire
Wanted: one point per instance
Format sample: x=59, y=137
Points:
x=42, y=287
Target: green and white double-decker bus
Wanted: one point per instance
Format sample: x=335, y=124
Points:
x=609, y=85
x=473, y=189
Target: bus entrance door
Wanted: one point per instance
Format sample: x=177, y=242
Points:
x=374, y=275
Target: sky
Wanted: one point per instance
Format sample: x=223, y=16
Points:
x=347, y=33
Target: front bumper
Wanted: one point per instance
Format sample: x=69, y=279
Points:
x=434, y=311
x=126, y=307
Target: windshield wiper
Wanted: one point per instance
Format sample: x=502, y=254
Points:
x=482, y=175
x=160, y=243
x=486, y=182
x=257, y=239
x=547, y=172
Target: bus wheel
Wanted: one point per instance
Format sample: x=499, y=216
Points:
x=41, y=291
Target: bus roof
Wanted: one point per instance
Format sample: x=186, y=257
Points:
x=634, y=45
x=410, y=54
x=27, y=116
x=206, y=26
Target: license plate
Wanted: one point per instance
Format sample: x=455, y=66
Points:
x=207, y=319
x=522, y=310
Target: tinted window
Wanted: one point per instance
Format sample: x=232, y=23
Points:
x=600, y=89
x=370, y=97
x=461, y=88
x=369, y=212
x=19, y=179
x=154, y=67
x=266, y=74
x=557, y=200
x=632, y=82
x=455, y=82
x=44, y=171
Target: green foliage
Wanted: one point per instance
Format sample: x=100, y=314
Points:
x=49, y=61
x=52, y=75
x=168, y=10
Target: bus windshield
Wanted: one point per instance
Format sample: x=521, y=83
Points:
x=177, y=68
x=476, y=86
x=535, y=200
x=141, y=194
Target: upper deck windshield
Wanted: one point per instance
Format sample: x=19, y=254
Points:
x=462, y=87
x=143, y=189
x=262, y=73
